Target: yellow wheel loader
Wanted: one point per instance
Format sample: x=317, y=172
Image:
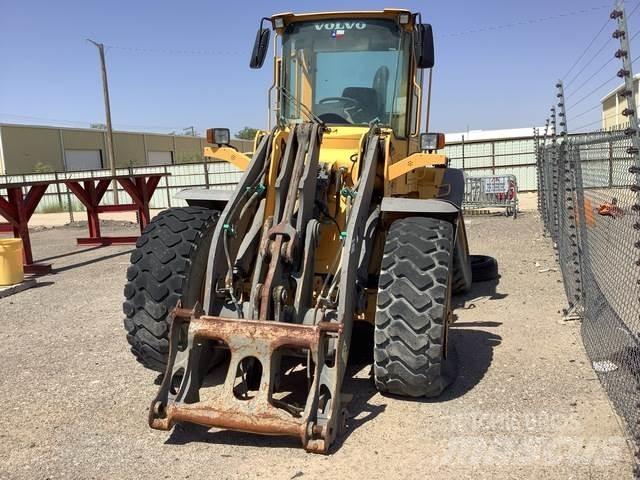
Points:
x=249, y=301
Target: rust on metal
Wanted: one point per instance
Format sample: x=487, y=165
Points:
x=277, y=334
x=258, y=414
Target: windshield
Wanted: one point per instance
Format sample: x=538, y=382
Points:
x=346, y=72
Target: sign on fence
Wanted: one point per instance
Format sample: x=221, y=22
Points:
x=496, y=184
x=495, y=191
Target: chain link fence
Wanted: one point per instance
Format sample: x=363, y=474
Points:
x=589, y=203
x=589, y=206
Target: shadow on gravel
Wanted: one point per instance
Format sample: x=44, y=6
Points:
x=69, y=254
x=184, y=433
x=359, y=412
x=479, y=290
x=470, y=355
x=90, y=262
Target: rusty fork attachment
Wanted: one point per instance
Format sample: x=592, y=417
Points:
x=246, y=339
x=259, y=327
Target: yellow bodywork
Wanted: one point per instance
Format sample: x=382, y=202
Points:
x=413, y=162
x=404, y=171
x=228, y=154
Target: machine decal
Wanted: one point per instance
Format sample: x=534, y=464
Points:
x=340, y=26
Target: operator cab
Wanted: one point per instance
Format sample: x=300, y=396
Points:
x=349, y=71
x=349, y=68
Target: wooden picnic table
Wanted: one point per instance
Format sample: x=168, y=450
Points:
x=22, y=199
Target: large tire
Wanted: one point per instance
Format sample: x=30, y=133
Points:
x=462, y=273
x=168, y=264
x=484, y=268
x=412, y=307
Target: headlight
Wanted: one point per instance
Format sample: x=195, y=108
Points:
x=431, y=141
x=218, y=136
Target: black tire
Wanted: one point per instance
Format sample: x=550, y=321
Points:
x=168, y=265
x=462, y=273
x=412, y=307
x=484, y=268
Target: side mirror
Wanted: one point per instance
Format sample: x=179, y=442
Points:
x=423, y=45
x=260, y=46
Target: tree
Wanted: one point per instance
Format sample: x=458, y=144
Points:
x=42, y=168
x=247, y=133
x=98, y=126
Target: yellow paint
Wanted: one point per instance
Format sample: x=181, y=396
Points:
x=228, y=154
x=413, y=162
x=392, y=13
x=11, y=267
x=277, y=150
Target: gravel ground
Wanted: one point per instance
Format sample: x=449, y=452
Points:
x=525, y=404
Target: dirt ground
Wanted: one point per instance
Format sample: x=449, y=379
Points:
x=525, y=404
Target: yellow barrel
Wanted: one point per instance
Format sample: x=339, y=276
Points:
x=11, y=268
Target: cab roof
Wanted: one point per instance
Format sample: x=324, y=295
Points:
x=390, y=13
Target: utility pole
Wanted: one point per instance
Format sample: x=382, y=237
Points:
x=107, y=107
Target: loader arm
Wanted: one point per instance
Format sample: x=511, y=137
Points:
x=278, y=318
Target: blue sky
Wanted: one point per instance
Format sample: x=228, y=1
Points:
x=493, y=78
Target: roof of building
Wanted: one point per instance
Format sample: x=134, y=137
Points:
x=617, y=89
x=100, y=130
x=475, y=135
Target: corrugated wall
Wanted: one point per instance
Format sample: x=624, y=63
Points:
x=513, y=156
x=33, y=149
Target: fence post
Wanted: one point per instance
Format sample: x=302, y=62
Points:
x=462, y=152
x=55, y=174
x=166, y=185
x=610, y=164
x=568, y=206
x=542, y=190
x=206, y=173
x=554, y=178
x=536, y=144
x=624, y=53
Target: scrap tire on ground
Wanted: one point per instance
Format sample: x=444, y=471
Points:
x=168, y=265
x=484, y=268
x=413, y=301
x=462, y=273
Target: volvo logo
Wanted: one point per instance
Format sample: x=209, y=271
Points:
x=341, y=26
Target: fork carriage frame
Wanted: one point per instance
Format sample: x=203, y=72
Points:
x=278, y=316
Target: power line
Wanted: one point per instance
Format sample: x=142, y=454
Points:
x=586, y=49
x=592, y=92
x=173, y=51
x=526, y=22
x=592, y=75
x=597, y=107
x=629, y=15
x=597, y=121
x=589, y=62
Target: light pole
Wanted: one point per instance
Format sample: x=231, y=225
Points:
x=107, y=111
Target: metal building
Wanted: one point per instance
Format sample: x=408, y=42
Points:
x=613, y=104
x=28, y=149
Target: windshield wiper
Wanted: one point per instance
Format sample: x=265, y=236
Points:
x=314, y=118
